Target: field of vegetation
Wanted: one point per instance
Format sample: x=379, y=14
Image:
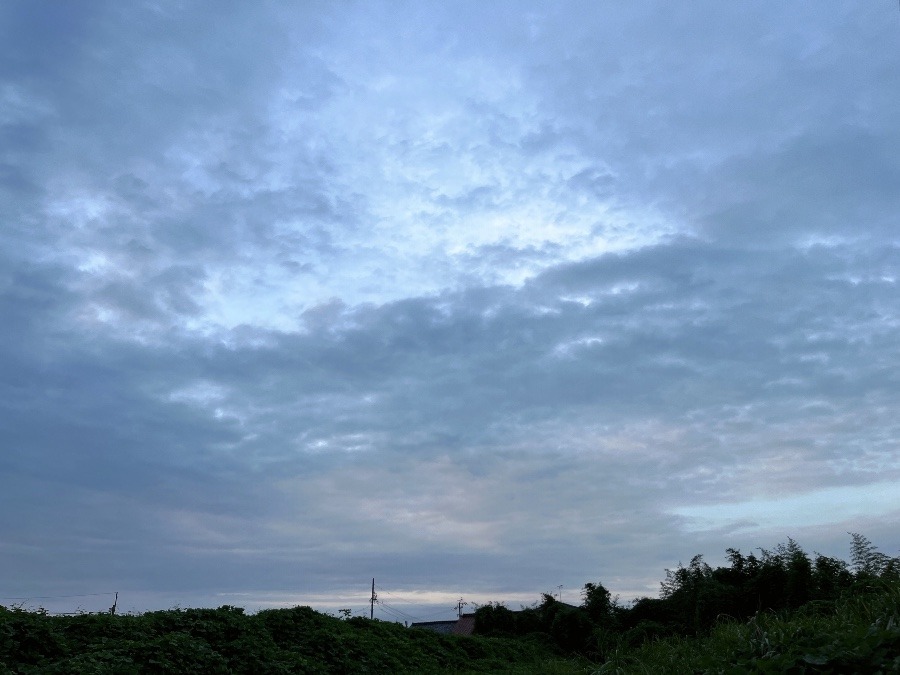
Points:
x=779, y=612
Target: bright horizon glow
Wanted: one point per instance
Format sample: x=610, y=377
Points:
x=811, y=509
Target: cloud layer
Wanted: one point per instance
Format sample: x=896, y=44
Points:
x=472, y=299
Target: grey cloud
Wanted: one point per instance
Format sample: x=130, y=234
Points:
x=463, y=362
x=475, y=377
x=725, y=119
x=481, y=435
x=839, y=184
x=43, y=38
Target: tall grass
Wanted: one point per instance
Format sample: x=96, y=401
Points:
x=858, y=634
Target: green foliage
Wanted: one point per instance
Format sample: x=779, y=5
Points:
x=227, y=641
x=599, y=605
x=860, y=635
x=572, y=629
x=777, y=612
x=698, y=602
x=830, y=577
x=496, y=619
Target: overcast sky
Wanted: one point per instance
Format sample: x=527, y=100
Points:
x=475, y=298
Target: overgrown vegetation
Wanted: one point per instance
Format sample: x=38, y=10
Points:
x=860, y=633
x=778, y=612
x=226, y=640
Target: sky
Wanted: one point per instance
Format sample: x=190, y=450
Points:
x=481, y=300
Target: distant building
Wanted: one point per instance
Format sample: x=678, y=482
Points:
x=464, y=625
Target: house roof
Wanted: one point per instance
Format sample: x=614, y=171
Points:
x=445, y=627
x=464, y=625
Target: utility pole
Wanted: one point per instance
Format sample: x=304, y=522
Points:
x=372, y=601
x=559, y=595
x=459, y=606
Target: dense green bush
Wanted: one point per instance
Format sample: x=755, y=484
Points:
x=225, y=640
x=859, y=634
x=699, y=603
x=781, y=612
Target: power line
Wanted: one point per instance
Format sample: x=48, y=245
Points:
x=411, y=602
x=442, y=613
x=396, y=611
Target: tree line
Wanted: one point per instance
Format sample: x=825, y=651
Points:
x=695, y=597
